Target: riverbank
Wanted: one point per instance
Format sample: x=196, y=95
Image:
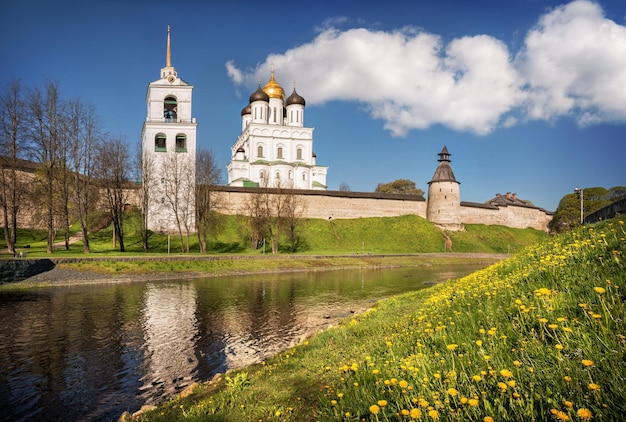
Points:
x=128, y=269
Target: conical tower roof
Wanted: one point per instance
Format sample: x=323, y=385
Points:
x=444, y=172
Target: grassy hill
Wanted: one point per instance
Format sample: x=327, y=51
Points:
x=539, y=336
x=388, y=235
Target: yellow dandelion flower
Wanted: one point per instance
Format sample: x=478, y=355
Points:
x=452, y=392
x=599, y=290
x=424, y=403
x=506, y=373
x=559, y=347
x=382, y=403
x=433, y=414
x=374, y=409
x=415, y=413
x=404, y=412
x=333, y=402
x=543, y=320
x=562, y=416
x=477, y=378
x=463, y=400
x=584, y=413
x=452, y=346
x=403, y=384
x=502, y=386
x=516, y=395
x=511, y=383
x=517, y=363
x=375, y=371
x=479, y=343
x=594, y=386
x=487, y=419
x=587, y=362
x=567, y=378
x=473, y=402
x=568, y=403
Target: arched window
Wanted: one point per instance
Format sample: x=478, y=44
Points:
x=279, y=153
x=181, y=142
x=303, y=176
x=259, y=151
x=299, y=154
x=290, y=175
x=159, y=142
x=277, y=175
x=170, y=109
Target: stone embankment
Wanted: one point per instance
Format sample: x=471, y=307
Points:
x=20, y=269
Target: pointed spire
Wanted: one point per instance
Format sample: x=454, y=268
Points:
x=168, y=54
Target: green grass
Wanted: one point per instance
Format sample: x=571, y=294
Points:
x=406, y=234
x=539, y=336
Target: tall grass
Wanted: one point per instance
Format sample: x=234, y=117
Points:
x=539, y=336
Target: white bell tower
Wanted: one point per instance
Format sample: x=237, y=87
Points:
x=169, y=151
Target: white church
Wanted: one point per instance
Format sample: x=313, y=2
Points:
x=274, y=148
x=169, y=150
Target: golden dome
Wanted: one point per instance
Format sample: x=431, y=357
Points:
x=272, y=89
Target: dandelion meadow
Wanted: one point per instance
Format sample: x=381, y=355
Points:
x=539, y=336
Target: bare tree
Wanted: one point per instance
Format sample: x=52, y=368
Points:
x=84, y=135
x=293, y=210
x=145, y=166
x=178, y=192
x=208, y=175
x=112, y=163
x=43, y=125
x=344, y=187
x=256, y=212
x=12, y=188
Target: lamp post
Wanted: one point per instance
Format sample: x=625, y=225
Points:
x=579, y=191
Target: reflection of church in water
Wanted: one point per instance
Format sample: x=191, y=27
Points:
x=274, y=148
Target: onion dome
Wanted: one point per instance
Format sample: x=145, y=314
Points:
x=273, y=90
x=259, y=95
x=294, y=98
x=246, y=110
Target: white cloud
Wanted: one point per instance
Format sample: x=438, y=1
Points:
x=572, y=62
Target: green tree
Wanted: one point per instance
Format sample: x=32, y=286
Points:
x=567, y=214
x=399, y=186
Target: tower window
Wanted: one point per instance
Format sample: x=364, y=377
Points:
x=181, y=143
x=279, y=153
x=277, y=175
x=259, y=151
x=159, y=142
x=299, y=154
x=170, y=109
x=303, y=176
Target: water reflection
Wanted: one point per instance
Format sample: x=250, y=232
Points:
x=170, y=331
x=91, y=352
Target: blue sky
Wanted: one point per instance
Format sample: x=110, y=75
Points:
x=528, y=95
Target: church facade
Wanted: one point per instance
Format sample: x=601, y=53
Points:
x=169, y=151
x=274, y=148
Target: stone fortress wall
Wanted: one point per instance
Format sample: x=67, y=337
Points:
x=340, y=205
x=344, y=205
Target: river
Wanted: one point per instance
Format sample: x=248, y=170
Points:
x=88, y=353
